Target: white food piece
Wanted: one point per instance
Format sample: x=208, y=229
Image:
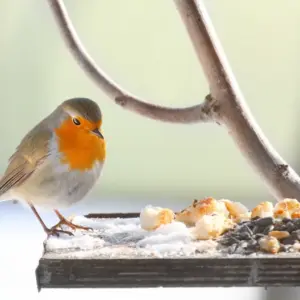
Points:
x=296, y=214
x=243, y=217
x=280, y=214
x=296, y=246
x=211, y=226
x=238, y=211
x=269, y=244
x=263, y=210
x=152, y=217
x=286, y=208
x=199, y=208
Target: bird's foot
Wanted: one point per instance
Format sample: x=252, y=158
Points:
x=54, y=231
x=64, y=221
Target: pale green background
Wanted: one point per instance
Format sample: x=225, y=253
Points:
x=143, y=45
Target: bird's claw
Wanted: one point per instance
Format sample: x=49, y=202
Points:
x=71, y=225
x=54, y=231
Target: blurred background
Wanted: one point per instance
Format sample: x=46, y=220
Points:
x=143, y=45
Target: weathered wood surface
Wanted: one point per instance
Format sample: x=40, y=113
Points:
x=113, y=215
x=162, y=272
x=218, y=272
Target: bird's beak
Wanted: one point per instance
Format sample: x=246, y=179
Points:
x=97, y=133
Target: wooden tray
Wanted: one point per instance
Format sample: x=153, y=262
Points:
x=162, y=272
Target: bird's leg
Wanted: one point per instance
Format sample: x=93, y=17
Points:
x=64, y=221
x=51, y=231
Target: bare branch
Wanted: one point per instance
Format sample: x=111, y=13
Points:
x=197, y=113
x=224, y=105
x=234, y=113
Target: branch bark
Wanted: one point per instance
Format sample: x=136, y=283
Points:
x=225, y=104
x=280, y=178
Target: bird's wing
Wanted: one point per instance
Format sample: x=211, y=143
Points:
x=30, y=153
x=14, y=177
x=17, y=172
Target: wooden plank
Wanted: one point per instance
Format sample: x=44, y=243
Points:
x=165, y=272
x=218, y=272
x=112, y=215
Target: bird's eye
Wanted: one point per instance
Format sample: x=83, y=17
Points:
x=76, y=121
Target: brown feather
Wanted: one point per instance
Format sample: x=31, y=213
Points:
x=85, y=107
x=31, y=152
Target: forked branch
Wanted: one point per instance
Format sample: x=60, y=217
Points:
x=225, y=103
x=192, y=114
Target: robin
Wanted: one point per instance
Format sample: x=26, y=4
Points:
x=58, y=162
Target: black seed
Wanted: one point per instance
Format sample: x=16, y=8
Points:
x=244, y=232
x=296, y=222
x=286, y=220
x=280, y=227
x=234, y=239
x=258, y=229
x=245, y=229
x=249, y=224
x=290, y=227
x=245, y=236
x=258, y=236
x=264, y=221
x=295, y=232
x=226, y=242
x=250, y=230
x=232, y=248
x=230, y=239
x=285, y=248
x=252, y=245
x=268, y=229
x=290, y=240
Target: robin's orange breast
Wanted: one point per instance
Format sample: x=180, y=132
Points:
x=80, y=149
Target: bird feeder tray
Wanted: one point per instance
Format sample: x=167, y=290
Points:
x=61, y=269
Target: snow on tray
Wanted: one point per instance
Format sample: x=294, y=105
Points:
x=193, y=232
x=123, y=238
